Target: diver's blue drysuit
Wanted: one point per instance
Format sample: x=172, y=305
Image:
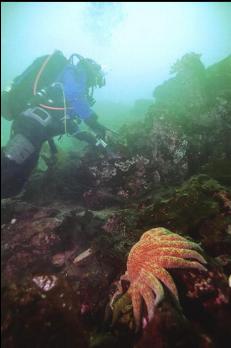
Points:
x=74, y=80
x=38, y=124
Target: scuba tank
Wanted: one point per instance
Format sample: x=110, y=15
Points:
x=42, y=72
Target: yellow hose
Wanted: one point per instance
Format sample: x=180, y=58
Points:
x=64, y=104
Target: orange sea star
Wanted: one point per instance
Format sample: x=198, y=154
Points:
x=156, y=250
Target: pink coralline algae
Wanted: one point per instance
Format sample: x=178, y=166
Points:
x=85, y=308
x=113, y=224
x=45, y=282
x=210, y=288
x=123, y=193
x=138, y=160
x=105, y=172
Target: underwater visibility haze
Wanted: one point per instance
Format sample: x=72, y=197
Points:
x=116, y=174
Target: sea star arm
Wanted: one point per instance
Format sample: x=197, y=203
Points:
x=181, y=244
x=182, y=253
x=165, y=278
x=136, y=303
x=176, y=262
x=154, y=284
x=148, y=296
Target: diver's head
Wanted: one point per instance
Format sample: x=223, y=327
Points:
x=95, y=73
x=96, y=76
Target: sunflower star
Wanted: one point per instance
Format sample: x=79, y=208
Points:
x=156, y=250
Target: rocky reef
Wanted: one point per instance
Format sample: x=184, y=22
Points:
x=66, y=238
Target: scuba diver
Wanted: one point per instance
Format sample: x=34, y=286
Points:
x=49, y=99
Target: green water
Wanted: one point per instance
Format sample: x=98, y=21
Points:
x=137, y=43
x=168, y=96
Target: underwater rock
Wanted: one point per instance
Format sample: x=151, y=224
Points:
x=206, y=302
x=140, y=108
x=219, y=169
x=66, y=180
x=168, y=329
x=185, y=133
x=42, y=247
x=31, y=239
x=12, y=207
x=218, y=79
x=187, y=89
x=61, y=233
x=214, y=234
x=188, y=207
x=62, y=259
x=42, y=312
x=183, y=129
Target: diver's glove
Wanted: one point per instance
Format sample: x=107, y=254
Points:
x=86, y=136
x=93, y=123
x=98, y=142
x=106, y=150
x=92, y=140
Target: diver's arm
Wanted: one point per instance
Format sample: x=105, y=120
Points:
x=86, y=136
x=98, y=128
x=95, y=141
x=75, y=92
